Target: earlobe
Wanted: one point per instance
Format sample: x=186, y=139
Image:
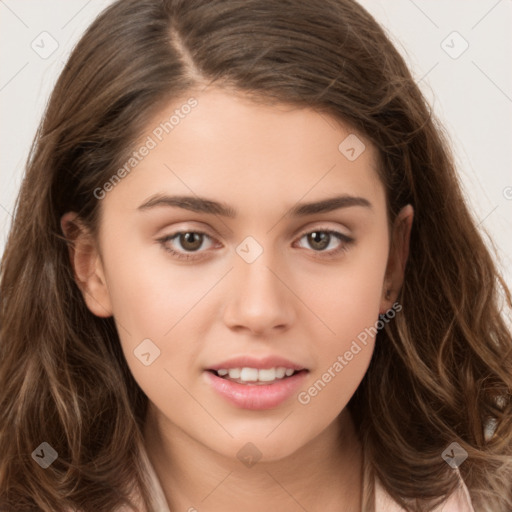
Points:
x=398, y=256
x=87, y=265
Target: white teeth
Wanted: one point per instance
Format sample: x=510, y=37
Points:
x=234, y=373
x=280, y=372
x=246, y=374
x=267, y=375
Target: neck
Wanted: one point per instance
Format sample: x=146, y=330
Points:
x=325, y=474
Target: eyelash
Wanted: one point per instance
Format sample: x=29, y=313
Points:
x=347, y=242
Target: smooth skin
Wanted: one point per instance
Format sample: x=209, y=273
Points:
x=299, y=299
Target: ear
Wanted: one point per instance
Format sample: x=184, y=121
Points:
x=87, y=265
x=397, y=259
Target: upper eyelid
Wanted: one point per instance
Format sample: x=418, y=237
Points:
x=313, y=226
x=301, y=232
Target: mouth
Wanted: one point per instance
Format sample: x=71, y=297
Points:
x=256, y=384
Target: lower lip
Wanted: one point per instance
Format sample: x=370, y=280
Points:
x=256, y=396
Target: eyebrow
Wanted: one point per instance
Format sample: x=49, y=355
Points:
x=203, y=205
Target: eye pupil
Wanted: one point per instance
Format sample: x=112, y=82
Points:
x=191, y=241
x=319, y=239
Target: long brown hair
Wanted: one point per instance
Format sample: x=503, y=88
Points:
x=441, y=370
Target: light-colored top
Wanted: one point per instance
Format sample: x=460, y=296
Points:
x=459, y=501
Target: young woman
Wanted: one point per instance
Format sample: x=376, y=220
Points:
x=242, y=276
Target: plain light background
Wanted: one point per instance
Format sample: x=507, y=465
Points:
x=470, y=88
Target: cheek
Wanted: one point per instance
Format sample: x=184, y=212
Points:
x=157, y=300
x=349, y=299
x=342, y=358
x=347, y=296
x=149, y=293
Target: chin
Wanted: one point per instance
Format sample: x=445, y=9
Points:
x=260, y=447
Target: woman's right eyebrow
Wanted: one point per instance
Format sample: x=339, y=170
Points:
x=204, y=205
x=192, y=203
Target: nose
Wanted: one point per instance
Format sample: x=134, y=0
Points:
x=259, y=301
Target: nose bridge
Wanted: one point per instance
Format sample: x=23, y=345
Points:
x=259, y=300
x=257, y=279
x=258, y=284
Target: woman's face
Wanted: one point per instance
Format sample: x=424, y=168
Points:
x=285, y=265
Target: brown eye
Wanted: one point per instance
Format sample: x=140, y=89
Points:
x=191, y=241
x=326, y=242
x=319, y=240
x=187, y=245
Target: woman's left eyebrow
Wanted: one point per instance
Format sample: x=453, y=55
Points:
x=204, y=205
x=328, y=205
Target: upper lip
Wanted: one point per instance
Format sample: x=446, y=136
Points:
x=254, y=362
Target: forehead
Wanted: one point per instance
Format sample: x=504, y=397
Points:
x=221, y=144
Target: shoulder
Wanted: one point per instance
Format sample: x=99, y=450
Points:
x=458, y=501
